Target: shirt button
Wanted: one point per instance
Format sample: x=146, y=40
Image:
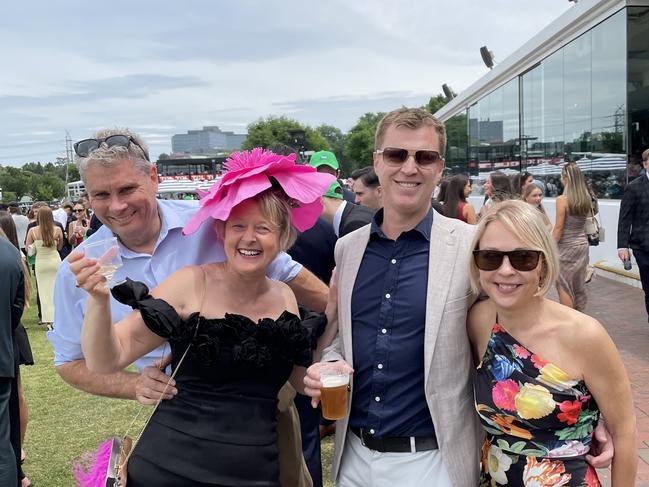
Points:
x=394, y=261
x=377, y=399
x=380, y=366
x=372, y=431
x=387, y=296
x=384, y=331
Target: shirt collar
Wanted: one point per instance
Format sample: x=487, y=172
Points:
x=423, y=227
x=169, y=220
x=338, y=217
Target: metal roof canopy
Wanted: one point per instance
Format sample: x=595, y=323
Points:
x=580, y=18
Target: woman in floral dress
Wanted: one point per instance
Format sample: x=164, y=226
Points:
x=544, y=370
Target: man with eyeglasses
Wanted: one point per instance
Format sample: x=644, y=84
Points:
x=403, y=296
x=122, y=184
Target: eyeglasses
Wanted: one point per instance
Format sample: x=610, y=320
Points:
x=395, y=156
x=521, y=260
x=78, y=211
x=83, y=148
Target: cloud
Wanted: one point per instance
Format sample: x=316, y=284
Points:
x=164, y=67
x=122, y=87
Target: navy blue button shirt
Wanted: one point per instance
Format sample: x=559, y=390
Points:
x=388, y=323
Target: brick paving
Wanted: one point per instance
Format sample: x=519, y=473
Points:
x=620, y=308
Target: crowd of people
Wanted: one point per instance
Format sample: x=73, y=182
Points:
x=44, y=237
x=462, y=371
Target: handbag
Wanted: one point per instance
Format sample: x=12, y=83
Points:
x=592, y=229
x=31, y=250
x=108, y=466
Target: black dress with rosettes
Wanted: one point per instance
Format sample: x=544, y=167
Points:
x=220, y=429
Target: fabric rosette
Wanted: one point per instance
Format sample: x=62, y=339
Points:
x=252, y=172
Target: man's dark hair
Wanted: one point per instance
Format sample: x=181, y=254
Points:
x=357, y=173
x=370, y=179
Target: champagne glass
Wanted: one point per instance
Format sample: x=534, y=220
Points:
x=108, y=257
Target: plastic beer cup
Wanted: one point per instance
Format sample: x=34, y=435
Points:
x=107, y=254
x=334, y=394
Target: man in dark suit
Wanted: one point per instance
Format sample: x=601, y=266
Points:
x=12, y=300
x=314, y=249
x=345, y=216
x=633, y=225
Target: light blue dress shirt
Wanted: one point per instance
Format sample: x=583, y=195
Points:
x=172, y=251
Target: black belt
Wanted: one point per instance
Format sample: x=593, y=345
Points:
x=396, y=444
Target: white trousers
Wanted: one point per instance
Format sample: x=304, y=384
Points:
x=362, y=467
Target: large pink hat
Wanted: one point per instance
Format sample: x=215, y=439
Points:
x=249, y=173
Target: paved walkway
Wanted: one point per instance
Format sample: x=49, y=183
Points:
x=620, y=308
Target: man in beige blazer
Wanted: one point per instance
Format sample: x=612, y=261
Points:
x=374, y=446
x=403, y=294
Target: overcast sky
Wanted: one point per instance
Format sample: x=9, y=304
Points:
x=163, y=67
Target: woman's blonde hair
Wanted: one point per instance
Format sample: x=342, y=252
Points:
x=576, y=190
x=276, y=206
x=46, y=227
x=528, y=191
x=526, y=223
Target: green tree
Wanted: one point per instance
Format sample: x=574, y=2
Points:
x=359, y=143
x=435, y=103
x=15, y=180
x=48, y=187
x=274, y=132
x=8, y=196
x=73, y=173
x=336, y=140
x=35, y=167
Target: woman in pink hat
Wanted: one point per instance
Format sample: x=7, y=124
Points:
x=235, y=335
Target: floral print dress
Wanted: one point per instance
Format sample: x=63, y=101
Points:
x=538, y=420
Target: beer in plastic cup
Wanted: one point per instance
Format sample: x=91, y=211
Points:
x=334, y=394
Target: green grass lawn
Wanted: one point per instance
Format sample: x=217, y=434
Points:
x=65, y=422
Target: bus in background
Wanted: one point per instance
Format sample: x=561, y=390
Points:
x=75, y=190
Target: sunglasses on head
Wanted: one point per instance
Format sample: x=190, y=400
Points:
x=395, y=156
x=521, y=260
x=83, y=148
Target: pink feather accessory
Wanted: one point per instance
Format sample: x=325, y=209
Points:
x=101, y=468
x=90, y=470
x=249, y=173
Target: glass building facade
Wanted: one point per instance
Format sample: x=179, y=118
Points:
x=586, y=102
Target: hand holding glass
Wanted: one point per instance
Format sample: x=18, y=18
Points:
x=107, y=254
x=334, y=393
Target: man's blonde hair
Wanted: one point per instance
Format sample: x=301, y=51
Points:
x=412, y=118
x=106, y=156
x=526, y=223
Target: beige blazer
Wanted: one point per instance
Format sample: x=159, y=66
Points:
x=448, y=367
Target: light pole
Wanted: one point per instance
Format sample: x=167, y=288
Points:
x=297, y=138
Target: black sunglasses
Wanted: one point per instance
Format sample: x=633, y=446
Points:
x=521, y=260
x=78, y=211
x=83, y=148
x=395, y=156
